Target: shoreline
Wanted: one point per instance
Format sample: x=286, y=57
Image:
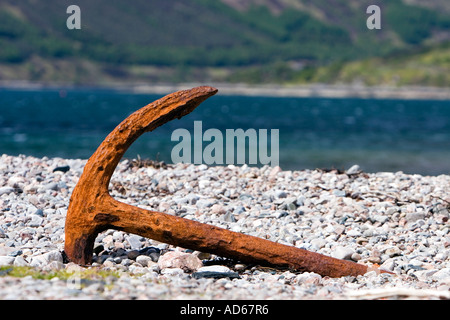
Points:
x=396, y=221
x=262, y=90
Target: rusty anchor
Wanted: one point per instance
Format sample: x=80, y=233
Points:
x=92, y=209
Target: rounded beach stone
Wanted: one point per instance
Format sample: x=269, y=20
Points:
x=176, y=259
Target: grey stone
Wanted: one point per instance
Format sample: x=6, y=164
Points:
x=20, y=262
x=228, y=217
x=35, y=221
x=414, y=216
x=300, y=201
x=51, y=186
x=393, y=251
x=342, y=253
x=62, y=169
x=6, y=190
x=215, y=272
x=215, y=275
x=353, y=169
x=280, y=194
x=15, y=253
x=204, y=203
x=46, y=258
x=290, y=203
x=239, y=210
x=144, y=260
x=177, y=259
x=318, y=243
x=135, y=242
x=6, y=260
x=214, y=268
x=126, y=262
x=388, y=265
x=442, y=275
x=54, y=265
x=339, y=193
x=379, y=218
x=172, y=271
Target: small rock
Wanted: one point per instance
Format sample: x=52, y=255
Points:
x=442, y=275
x=98, y=248
x=215, y=272
x=20, y=262
x=354, y=233
x=414, y=216
x=73, y=267
x=51, y=186
x=36, y=221
x=44, y=259
x=218, y=209
x=239, y=210
x=374, y=259
x=133, y=254
x=309, y=278
x=6, y=261
x=152, y=252
x=15, y=253
x=290, y=203
x=229, y=217
x=388, y=265
x=318, y=243
x=39, y=212
x=300, y=201
x=6, y=190
x=126, y=262
x=63, y=169
x=240, y=267
x=393, y=251
x=280, y=194
x=274, y=172
x=135, y=242
x=54, y=265
x=177, y=259
x=204, y=203
x=339, y=193
x=215, y=275
x=355, y=256
x=353, y=169
x=380, y=218
x=144, y=260
x=362, y=240
x=172, y=272
x=202, y=255
x=342, y=253
x=214, y=268
x=108, y=263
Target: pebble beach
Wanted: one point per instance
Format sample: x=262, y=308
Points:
x=399, y=222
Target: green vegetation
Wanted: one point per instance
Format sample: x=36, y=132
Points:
x=87, y=274
x=429, y=67
x=415, y=24
x=211, y=40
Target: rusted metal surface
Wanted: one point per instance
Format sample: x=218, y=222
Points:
x=93, y=210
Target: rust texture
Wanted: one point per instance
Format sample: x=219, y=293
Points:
x=93, y=210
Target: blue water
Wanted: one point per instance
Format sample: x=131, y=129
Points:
x=379, y=135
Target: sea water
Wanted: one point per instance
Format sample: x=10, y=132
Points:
x=412, y=136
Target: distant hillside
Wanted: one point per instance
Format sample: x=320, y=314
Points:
x=247, y=40
x=425, y=67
